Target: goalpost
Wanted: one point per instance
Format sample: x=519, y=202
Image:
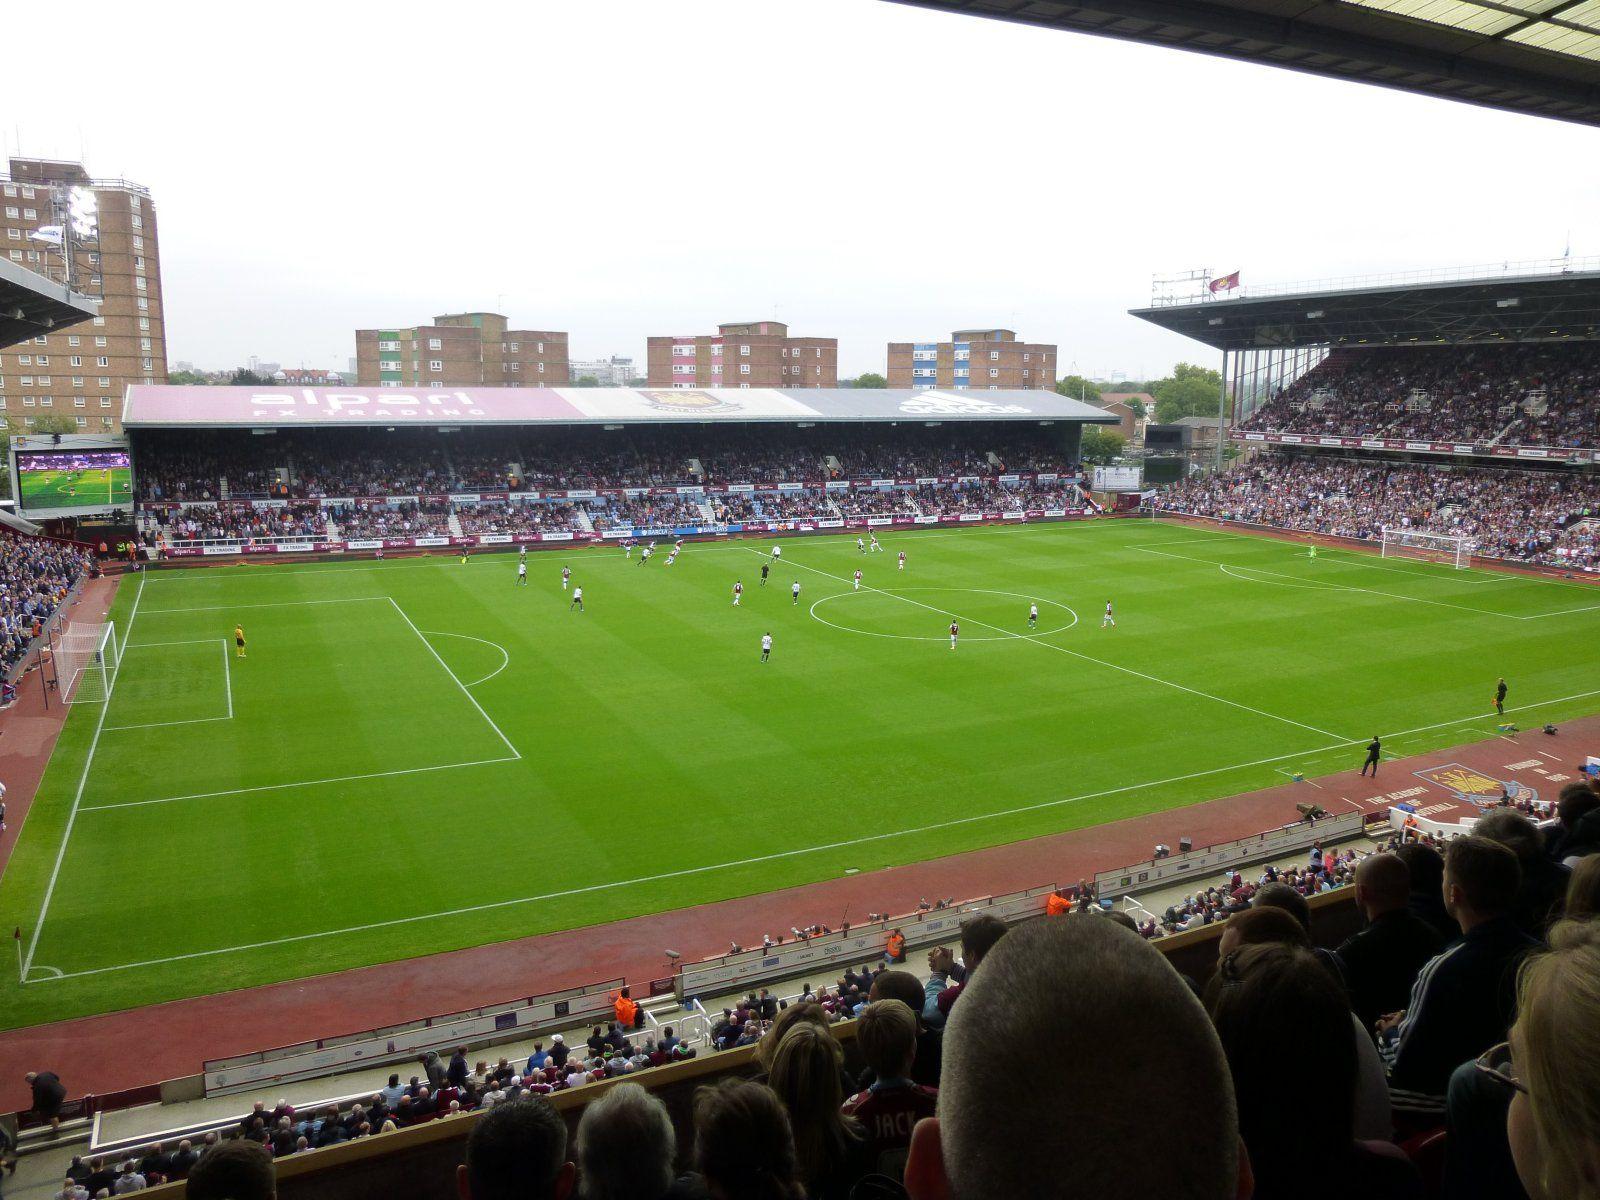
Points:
x=1453, y=548
x=86, y=660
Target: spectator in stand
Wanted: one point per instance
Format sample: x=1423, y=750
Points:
x=832, y=1148
x=1575, y=801
x=1583, y=890
x=1553, y=1124
x=1278, y=1004
x=237, y=1169
x=1544, y=883
x=517, y=1151
x=744, y=1147
x=1426, y=868
x=1380, y=963
x=1462, y=1001
x=946, y=977
x=626, y=1147
x=1079, y=1064
x=889, y=1109
x=907, y=988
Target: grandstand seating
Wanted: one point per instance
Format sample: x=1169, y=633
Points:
x=36, y=575
x=1546, y=518
x=1522, y=395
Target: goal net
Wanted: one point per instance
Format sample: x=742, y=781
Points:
x=1452, y=548
x=86, y=659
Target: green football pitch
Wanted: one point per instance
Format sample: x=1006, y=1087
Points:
x=75, y=489
x=419, y=755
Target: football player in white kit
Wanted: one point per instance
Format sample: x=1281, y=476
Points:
x=861, y=547
x=522, y=573
x=794, y=593
x=577, y=600
x=1108, y=619
x=766, y=646
x=777, y=553
x=1033, y=615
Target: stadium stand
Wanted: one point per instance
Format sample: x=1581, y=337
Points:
x=1516, y=395
x=1546, y=518
x=36, y=578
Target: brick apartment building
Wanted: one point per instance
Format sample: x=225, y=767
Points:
x=461, y=350
x=80, y=373
x=973, y=358
x=747, y=354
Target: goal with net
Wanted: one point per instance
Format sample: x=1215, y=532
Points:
x=86, y=657
x=1453, y=548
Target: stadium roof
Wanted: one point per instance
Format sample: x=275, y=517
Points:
x=31, y=305
x=1502, y=308
x=1529, y=56
x=161, y=406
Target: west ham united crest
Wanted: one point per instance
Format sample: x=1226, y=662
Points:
x=1475, y=787
x=687, y=402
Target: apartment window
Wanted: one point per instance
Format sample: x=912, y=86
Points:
x=25, y=380
x=27, y=402
x=73, y=340
x=28, y=421
x=100, y=340
x=516, y=346
x=541, y=368
x=139, y=282
x=44, y=359
x=11, y=210
x=11, y=189
x=138, y=263
x=144, y=305
x=138, y=243
x=100, y=323
x=538, y=348
x=993, y=374
x=76, y=360
x=680, y=349
x=149, y=364
x=1025, y=356
x=40, y=341
x=138, y=221
x=436, y=383
x=33, y=256
x=716, y=368
x=82, y=421
x=744, y=385
x=94, y=258
x=144, y=322
x=994, y=356
x=30, y=214
x=24, y=360
x=14, y=234
x=134, y=203
x=435, y=344
x=144, y=344
x=44, y=381
x=105, y=401
x=392, y=346
x=743, y=349
x=47, y=401
x=77, y=381
x=435, y=364
x=1025, y=374
x=516, y=366
x=102, y=361
x=16, y=256
x=819, y=351
x=94, y=281
x=27, y=193
x=79, y=402
x=105, y=381
x=744, y=368
x=784, y=352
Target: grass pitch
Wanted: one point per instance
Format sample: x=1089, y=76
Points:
x=418, y=755
x=44, y=489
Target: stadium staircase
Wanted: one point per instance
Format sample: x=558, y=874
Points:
x=1504, y=432
x=584, y=521
x=706, y=515
x=453, y=523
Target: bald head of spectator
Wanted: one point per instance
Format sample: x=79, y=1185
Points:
x=1115, y=1045
x=1383, y=885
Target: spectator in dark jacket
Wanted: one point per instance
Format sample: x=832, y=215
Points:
x=1463, y=999
x=458, y=1070
x=1381, y=962
x=1544, y=883
x=1427, y=887
x=48, y=1095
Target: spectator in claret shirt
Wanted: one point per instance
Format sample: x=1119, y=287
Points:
x=886, y=1033
x=907, y=988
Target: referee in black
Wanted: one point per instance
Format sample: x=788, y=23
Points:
x=1372, y=756
x=1500, y=697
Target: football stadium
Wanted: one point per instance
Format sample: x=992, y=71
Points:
x=498, y=775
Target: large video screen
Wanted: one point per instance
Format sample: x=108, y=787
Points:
x=67, y=479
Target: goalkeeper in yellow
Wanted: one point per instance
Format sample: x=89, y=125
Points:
x=238, y=640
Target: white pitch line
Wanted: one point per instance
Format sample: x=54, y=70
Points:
x=505, y=655
x=274, y=787
x=678, y=874
x=77, y=799
x=164, y=724
x=1085, y=657
x=471, y=699
x=268, y=604
x=227, y=676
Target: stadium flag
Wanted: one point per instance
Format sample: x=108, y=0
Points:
x=1226, y=284
x=47, y=233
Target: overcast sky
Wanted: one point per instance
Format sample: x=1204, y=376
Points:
x=858, y=168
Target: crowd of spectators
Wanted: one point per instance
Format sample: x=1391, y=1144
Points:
x=640, y=512
x=1530, y=395
x=517, y=516
x=405, y=519
x=1543, y=517
x=36, y=575
x=239, y=522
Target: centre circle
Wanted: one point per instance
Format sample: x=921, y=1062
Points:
x=934, y=612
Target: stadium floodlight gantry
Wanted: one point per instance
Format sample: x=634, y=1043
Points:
x=1270, y=336
x=1527, y=56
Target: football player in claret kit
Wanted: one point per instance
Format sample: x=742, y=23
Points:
x=955, y=631
x=1033, y=615
x=1108, y=619
x=738, y=593
x=672, y=555
x=858, y=581
x=902, y=560
x=766, y=646
x=627, y=547
x=874, y=547
x=566, y=577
